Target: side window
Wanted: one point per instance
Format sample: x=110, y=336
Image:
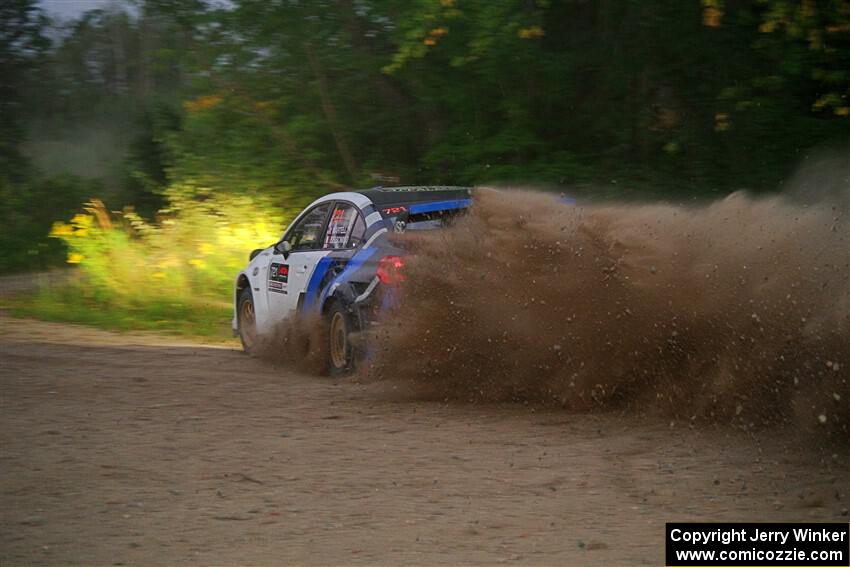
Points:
x=358, y=233
x=346, y=228
x=307, y=234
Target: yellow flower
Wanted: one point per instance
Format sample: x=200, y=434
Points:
x=61, y=230
x=532, y=32
x=81, y=224
x=81, y=220
x=712, y=16
x=712, y=13
x=202, y=103
x=75, y=258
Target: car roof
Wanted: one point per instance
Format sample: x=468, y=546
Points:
x=415, y=194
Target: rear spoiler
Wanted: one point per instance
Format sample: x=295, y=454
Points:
x=439, y=206
x=425, y=208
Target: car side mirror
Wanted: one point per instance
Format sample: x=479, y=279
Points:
x=283, y=247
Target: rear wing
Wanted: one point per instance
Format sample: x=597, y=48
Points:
x=388, y=211
x=424, y=215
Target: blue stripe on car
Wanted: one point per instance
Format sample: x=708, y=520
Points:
x=439, y=206
x=311, y=293
x=353, y=265
x=314, y=297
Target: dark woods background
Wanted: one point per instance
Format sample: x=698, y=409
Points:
x=156, y=102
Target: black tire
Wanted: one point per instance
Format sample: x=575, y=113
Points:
x=246, y=320
x=340, y=351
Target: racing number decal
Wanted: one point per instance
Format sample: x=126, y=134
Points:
x=278, y=277
x=337, y=230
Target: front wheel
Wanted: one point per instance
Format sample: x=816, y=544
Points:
x=246, y=320
x=340, y=349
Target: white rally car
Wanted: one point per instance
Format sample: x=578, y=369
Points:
x=336, y=260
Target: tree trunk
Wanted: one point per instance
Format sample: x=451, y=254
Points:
x=330, y=114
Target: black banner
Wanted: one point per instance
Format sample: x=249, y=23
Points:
x=758, y=545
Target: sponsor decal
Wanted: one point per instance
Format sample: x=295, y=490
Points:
x=278, y=273
x=394, y=210
x=276, y=287
x=339, y=227
x=337, y=235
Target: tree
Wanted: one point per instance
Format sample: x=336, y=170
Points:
x=21, y=44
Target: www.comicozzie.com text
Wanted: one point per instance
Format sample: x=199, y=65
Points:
x=726, y=536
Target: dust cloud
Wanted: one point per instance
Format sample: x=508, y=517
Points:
x=735, y=311
x=296, y=342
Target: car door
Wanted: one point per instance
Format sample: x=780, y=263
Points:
x=287, y=276
x=343, y=235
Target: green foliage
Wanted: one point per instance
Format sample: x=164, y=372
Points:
x=66, y=304
x=290, y=100
x=21, y=43
x=178, y=271
x=810, y=41
x=27, y=211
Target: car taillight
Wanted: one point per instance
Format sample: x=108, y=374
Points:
x=389, y=270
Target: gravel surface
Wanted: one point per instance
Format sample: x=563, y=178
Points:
x=121, y=449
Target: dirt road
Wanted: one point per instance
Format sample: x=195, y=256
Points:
x=133, y=450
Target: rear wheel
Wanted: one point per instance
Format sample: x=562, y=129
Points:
x=246, y=320
x=340, y=350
